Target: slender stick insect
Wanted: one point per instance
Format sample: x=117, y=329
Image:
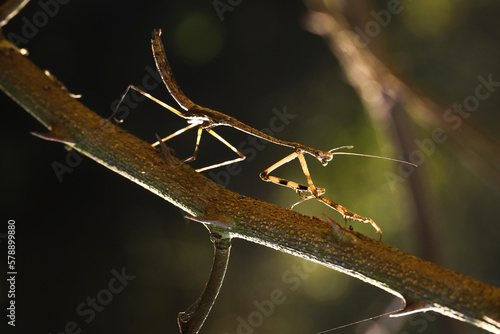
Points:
x=207, y=119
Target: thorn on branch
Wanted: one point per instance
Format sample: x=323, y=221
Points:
x=55, y=135
x=338, y=231
x=211, y=220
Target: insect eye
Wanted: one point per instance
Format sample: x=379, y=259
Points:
x=326, y=158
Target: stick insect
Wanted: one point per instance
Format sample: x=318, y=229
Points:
x=207, y=119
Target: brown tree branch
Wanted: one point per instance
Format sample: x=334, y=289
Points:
x=423, y=285
x=192, y=320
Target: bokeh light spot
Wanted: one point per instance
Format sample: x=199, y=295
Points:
x=429, y=17
x=199, y=38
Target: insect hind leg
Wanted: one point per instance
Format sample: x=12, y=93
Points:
x=241, y=156
x=347, y=214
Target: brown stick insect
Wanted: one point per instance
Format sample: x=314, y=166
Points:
x=207, y=119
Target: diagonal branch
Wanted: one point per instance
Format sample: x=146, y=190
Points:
x=423, y=285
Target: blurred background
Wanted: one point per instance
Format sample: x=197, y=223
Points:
x=254, y=60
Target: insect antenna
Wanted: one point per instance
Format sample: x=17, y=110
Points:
x=368, y=155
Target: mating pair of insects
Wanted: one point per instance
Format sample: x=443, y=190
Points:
x=207, y=119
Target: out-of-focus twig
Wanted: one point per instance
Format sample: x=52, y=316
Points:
x=381, y=89
x=9, y=9
x=191, y=321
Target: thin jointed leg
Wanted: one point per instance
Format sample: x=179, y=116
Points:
x=225, y=142
x=176, y=133
x=193, y=123
x=347, y=214
x=149, y=96
x=299, y=188
x=198, y=139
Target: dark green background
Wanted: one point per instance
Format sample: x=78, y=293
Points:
x=72, y=234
